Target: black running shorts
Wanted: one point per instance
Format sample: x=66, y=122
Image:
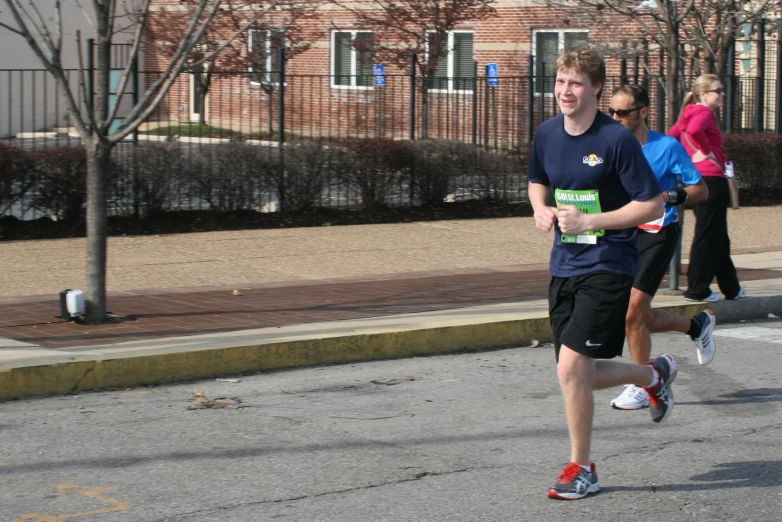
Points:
x=587, y=313
x=656, y=252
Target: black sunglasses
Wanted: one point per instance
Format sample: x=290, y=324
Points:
x=721, y=90
x=623, y=113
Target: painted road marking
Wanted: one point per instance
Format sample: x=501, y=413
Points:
x=753, y=333
x=71, y=490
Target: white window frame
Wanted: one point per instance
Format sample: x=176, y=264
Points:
x=353, y=61
x=560, y=48
x=268, y=65
x=449, y=62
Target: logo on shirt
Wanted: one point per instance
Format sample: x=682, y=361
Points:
x=592, y=160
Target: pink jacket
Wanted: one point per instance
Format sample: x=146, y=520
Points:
x=700, y=124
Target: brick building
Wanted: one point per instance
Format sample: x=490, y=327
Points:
x=331, y=90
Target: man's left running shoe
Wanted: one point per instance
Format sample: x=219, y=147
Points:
x=575, y=482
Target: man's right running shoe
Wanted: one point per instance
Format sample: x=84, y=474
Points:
x=661, y=396
x=632, y=398
x=575, y=482
x=704, y=343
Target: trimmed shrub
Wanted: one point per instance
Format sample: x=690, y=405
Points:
x=229, y=177
x=757, y=159
x=152, y=174
x=375, y=168
x=438, y=163
x=308, y=167
x=500, y=176
x=61, y=182
x=16, y=176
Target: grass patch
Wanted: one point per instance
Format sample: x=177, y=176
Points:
x=194, y=130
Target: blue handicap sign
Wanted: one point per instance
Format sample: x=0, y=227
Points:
x=380, y=75
x=493, y=74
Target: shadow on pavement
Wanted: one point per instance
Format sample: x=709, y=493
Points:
x=741, y=397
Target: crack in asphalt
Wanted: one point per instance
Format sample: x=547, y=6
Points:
x=418, y=476
x=689, y=440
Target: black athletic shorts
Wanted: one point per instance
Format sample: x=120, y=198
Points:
x=656, y=252
x=588, y=312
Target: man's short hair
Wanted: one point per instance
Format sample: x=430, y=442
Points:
x=638, y=93
x=585, y=60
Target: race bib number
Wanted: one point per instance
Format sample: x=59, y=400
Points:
x=588, y=202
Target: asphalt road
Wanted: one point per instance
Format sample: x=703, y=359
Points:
x=458, y=438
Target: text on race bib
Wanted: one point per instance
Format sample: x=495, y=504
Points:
x=588, y=202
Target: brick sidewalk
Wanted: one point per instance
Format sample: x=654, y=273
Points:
x=160, y=314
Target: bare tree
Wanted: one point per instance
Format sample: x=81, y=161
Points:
x=420, y=27
x=94, y=123
x=714, y=26
x=658, y=21
x=280, y=29
x=693, y=30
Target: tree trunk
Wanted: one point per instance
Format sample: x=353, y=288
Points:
x=98, y=154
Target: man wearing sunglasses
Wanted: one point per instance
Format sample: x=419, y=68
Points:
x=657, y=242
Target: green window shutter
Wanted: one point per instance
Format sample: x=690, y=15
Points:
x=462, y=61
x=546, y=52
x=573, y=39
x=440, y=79
x=342, y=55
x=364, y=60
x=277, y=43
x=257, y=56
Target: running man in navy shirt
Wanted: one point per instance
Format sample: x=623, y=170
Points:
x=603, y=189
x=657, y=242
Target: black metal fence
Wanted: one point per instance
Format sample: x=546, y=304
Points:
x=239, y=109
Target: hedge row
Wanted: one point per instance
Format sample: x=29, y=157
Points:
x=371, y=174
x=150, y=178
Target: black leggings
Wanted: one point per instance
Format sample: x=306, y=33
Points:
x=710, y=253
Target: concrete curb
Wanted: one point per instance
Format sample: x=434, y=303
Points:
x=80, y=370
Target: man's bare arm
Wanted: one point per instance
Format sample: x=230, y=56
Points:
x=573, y=221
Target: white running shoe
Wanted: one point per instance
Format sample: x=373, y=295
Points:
x=704, y=343
x=742, y=294
x=712, y=298
x=633, y=398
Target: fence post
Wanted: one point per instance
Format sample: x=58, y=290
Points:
x=730, y=88
x=623, y=64
x=486, y=92
x=412, y=96
x=675, y=267
x=645, y=51
x=779, y=77
x=281, y=102
x=531, y=100
x=474, y=102
x=134, y=73
x=91, y=79
x=661, y=94
x=760, y=85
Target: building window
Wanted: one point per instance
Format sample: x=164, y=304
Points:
x=264, y=46
x=352, y=63
x=455, y=67
x=547, y=46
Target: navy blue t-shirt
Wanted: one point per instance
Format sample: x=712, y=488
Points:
x=606, y=159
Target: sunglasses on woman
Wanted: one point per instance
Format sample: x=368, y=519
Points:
x=721, y=90
x=623, y=113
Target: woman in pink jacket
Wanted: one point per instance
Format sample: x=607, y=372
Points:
x=697, y=130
